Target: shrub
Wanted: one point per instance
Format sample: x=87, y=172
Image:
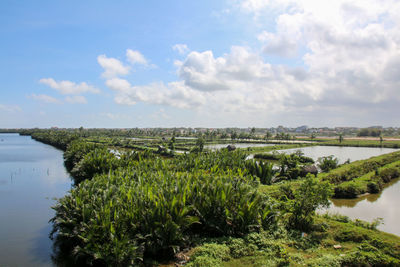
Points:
x=239, y=248
x=263, y=170
x=204, y=261
x=388, y=174
x=311, y=194
x=328, y=163
x=212, y=250
x=373, y=187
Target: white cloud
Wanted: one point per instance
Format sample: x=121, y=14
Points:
x=344, y=58
x=160, y=114
x=68, y=87
x=45, y=98
x=135, y=57
x=115, y=116
x=10, y=108
x=112, y=67
x=351, y=47
x=77, y=99
x=174, y=94
x=182, y=49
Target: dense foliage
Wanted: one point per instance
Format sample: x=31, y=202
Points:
x=328, y=163
x=124, y=216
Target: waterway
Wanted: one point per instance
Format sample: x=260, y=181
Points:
x=32, y=174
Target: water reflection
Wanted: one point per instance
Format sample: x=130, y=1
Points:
x=342, y=153
x=31, y=175
x=369, y=207
x=238, y=145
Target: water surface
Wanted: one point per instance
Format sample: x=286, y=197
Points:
x=383, y=205
x=31, y=175
x=237, y=145
x=342, y=153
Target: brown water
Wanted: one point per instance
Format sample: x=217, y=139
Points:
x=369, y=207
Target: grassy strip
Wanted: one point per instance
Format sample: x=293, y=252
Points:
x=359, y=143
x=356, y=169
x=252, y=150
x=351, y=180
x=359, y=246
x=371, y=182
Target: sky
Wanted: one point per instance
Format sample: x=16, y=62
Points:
x=209, y=63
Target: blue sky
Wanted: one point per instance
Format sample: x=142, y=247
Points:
x=199, y=63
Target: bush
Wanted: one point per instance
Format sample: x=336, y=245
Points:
x=97, y=161
x=311, y=194
x=212, y=250
x=204, y=261
x=373, y=188
x=351, y=234
x=328, y=163
x=386, y=175
x=75, y=152
x=349, y=190
x=263, y=170
x=239, y=248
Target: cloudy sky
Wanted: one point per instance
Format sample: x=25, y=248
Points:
x=202, y=63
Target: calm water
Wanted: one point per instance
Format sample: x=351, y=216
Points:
x=31, y=175
x=238, y=145
x=342, y=153
x=367, y=208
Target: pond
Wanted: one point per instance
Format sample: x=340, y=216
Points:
x=342, y=153
x=383, y=205
x=237, y=145
x=32, y=174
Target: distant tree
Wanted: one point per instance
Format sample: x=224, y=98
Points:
x=171, y=144
x=312, y=136
x=253, y=131
x=268, y=135
x=370, y=132
x=200, y=144
x=341, y=138
x=381, y=139
x=234, y=135
x=328, y=163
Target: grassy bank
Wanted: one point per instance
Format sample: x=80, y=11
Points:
x=334, y=241
x=358, y=143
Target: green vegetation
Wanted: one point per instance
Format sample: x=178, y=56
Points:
x=374, y=132
x=135, y=207
x=359, y=142
x=366, y=176
x=328, y=163
x=356, y=245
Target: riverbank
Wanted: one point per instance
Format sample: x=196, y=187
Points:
x=334, y=241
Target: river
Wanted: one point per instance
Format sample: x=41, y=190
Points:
x=32, y=174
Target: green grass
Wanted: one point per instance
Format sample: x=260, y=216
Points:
x=359, y=245
x=359, y=143
x=351, y=179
